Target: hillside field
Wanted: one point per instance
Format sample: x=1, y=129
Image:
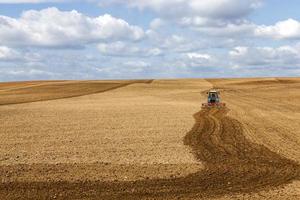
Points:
x=150, y=139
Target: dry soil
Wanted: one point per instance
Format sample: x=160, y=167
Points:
x=150, y=140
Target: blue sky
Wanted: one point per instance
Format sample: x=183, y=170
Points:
x=130, y=39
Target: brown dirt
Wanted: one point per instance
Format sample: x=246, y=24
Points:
x=268, y=82
x=232, y=165
x=26, y=92
x=247, y=151
x=11, y=85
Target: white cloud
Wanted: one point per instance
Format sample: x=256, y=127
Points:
x=225, y=29
x=196, y=59
x=223, y=8
x=29, y=72
x=282, y=56
x=157, y=23
x=52, y=27
x=238, y=52
x=124, y=49
x=7, y=53
x=288, y=29
x=137, y=65
x=175, y=43
x=212, y=17
x=198, y=56
x=12, y=55
x=186, y=38
x=127, y=69
x=205, y=8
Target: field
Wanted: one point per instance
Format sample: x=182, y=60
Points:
x=150, y=139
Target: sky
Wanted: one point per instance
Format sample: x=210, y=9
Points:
x=141, y=39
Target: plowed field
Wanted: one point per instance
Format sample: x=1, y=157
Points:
x=150, y=140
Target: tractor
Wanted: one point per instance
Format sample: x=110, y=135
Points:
x=213, y=100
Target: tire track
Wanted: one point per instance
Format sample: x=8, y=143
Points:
x=245, y=165
x=232, y=165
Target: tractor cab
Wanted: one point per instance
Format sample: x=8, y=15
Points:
x=213, y=97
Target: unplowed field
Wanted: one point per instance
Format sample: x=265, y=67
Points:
x=26, y=92
x=151, y=140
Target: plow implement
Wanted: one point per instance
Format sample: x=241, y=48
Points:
x=210, y=105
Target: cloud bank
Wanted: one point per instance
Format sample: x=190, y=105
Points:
x=182, y=38
x=53, y=28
